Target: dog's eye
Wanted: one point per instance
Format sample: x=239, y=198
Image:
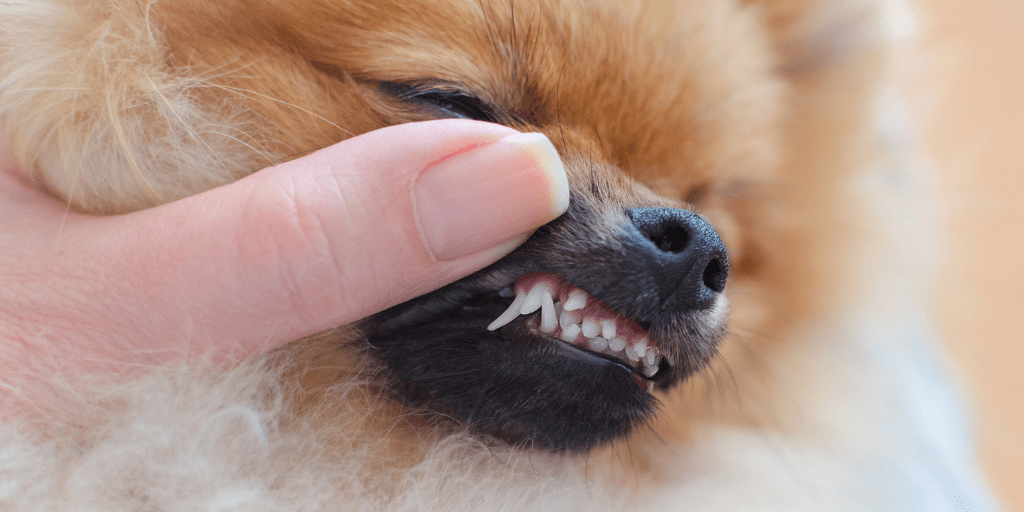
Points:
x=446, y=102
x=458, y=105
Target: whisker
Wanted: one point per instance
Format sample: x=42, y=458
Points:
x=186, y=125
x=263, y=154
x=249, y=92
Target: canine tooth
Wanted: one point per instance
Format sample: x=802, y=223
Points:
x=548, y=318
x=640, y=347
x=510, y=314
x=570, y=333
x=631, y=354
x=650, y=370
x=568, y=318
x=535, y=298
x=616, y=344
x=597, y=344
x=590, y=327
x=651, y=356
x=608, y=329
x=577, y=300
x=506, y=292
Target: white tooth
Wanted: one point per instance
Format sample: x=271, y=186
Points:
x=535, y=298
x=548, y=317
x=506, y=292
x=640, y=347
x=570, y=333
x=568, y=318
x=616, y=344
x=590, y=327
x=650, y=370
x=510, y=314
x=608, y=329
x=577, y=300
x=651, y=356
x=597, y=344
x=631, y=354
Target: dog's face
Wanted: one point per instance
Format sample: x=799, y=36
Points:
x=563, y=342
x=658, y=109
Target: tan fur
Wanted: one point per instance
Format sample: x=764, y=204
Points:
x=760, y=114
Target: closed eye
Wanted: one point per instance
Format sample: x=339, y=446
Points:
x=445, y=102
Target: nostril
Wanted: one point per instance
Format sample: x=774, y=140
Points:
x=684, y=254
x=671, y=238
x=714, y=275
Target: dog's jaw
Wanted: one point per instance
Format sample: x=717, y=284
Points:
x=522, y=381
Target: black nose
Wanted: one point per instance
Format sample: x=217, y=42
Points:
x=688, y=256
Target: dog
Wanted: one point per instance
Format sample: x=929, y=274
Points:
x=688, y=335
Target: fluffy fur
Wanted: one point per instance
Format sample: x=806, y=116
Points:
x=759, y=114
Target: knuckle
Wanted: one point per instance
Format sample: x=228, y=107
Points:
x=286, y=238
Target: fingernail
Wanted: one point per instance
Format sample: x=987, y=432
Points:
x=483, y=198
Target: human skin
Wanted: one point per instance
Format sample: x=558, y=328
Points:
x=288, y=251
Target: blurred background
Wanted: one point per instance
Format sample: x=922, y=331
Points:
x=965, y=81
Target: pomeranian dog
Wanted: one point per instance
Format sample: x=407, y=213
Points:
x=691, y=334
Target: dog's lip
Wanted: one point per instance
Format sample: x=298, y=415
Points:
x=588, y=356
x=576, y=352
x=579, y=352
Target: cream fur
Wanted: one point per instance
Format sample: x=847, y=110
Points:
x=218, y=441
x=123, y=114
x=859, y=415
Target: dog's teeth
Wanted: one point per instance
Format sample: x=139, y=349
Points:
x=631, y=354
x=577, y=300
x=569, y=334
x=640, y=347
x=601, y=335
x=548, y=317
x=568, y=318
x=616, y=344
x=591, y=327
x=510, y=314
x=651, y=356
x=650, y=370
x=535, y=298
x=608, y=329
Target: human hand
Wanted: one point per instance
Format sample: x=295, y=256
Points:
x=306, y=245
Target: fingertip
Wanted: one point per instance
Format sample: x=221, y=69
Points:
x=546, y=159
x=478, y=199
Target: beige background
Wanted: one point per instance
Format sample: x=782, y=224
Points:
x=971, y=102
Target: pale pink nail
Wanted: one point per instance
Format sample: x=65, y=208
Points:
x=484, y=197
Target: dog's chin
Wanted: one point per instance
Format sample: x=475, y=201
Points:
x=467, y=352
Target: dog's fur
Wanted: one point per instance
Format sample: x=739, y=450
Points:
x=761, y=115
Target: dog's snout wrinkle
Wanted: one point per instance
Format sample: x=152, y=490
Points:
x=688, y=255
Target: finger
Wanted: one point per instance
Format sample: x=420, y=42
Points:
x=29, y=219
x=336, y=236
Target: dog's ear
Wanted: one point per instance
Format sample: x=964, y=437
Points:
x=812, y=36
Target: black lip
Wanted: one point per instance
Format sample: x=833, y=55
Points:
x=572, y=350
x=476, y=295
